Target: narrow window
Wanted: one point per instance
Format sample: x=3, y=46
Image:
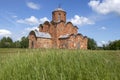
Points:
x=59, y=17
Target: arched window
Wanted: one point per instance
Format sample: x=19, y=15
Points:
x=59, y=17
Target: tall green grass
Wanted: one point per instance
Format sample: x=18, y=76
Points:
x=59, y=64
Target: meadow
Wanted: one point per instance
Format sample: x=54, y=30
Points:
x=59, y=64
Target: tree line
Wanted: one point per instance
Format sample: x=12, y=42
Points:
x=112, y=45
x=7, y=42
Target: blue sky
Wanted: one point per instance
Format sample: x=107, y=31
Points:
x=97, y=19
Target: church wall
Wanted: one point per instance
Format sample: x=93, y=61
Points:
x=44, y=43
x=63, y=43
x=32, y=41
x=60, y=29
x=74, y=42
x=40, y=27
x=45, y=28
x=52, y=31
x=70, y=29
x=85, y=40
x=63, y=29
x=78, y=40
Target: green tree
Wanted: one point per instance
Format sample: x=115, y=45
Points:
x=114, y=45
x=92, y=44
x=24, y=42
x=6, y=42
x=17, y=44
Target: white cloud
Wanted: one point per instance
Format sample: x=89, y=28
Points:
x=103, y=28
x=14, y=16
x=106, y=6
x=31, y=28
x=4, y=32
x=101, y=43
x=33, y=5
x=32, y=20
x=24, y=32
x=80, y=20
x=42, y=20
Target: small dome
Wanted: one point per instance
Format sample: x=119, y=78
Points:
x=59, y=9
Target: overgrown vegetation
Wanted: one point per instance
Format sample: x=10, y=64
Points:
x=59, y=64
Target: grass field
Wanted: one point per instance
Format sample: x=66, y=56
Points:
x=59, y=64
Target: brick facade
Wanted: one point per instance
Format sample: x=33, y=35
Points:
x=57, y=34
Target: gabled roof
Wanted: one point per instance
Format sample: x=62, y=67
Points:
x=64, y=36
x=42, y=34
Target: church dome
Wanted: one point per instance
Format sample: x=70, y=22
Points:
x=59, y=9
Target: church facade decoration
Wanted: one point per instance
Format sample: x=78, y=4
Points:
x=57, y=34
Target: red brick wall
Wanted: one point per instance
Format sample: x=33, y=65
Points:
x=56, y=15
x=63, y=43
x=74, y=42
x=70, y=29
x=35, y=42
x=63, y=29
x=44, y=43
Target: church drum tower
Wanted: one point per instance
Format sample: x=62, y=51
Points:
x=59, y=15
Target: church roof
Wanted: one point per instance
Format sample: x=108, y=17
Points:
x=68, y=35
x=42, y=34
x=59, y=9
x=64, y=36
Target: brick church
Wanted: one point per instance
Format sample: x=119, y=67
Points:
x=57, y=34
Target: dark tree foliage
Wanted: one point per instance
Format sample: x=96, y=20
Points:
x=114, y=45
x=24, y=42
x=92, y=44
x=17, y=44
x=7, y=42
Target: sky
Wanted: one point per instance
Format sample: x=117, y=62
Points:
x=97, y=19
